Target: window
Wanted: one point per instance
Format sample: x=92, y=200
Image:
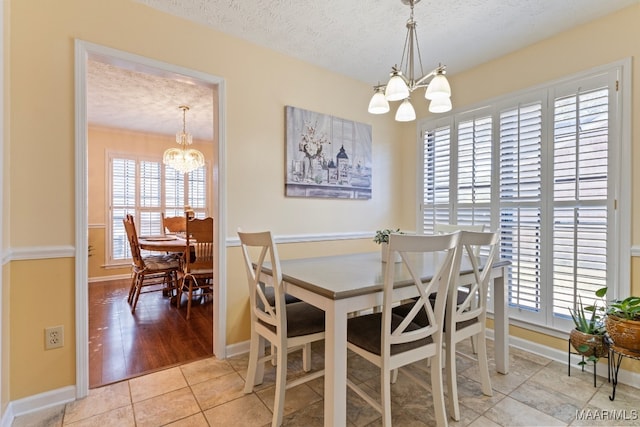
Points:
x=146, y=188
x=537, y=166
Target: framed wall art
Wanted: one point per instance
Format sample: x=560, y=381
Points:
x=326, y=156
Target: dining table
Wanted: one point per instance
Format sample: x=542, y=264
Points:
x=344, y=284
x=162, y=243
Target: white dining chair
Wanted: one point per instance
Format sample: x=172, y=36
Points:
x=391, y=341
x=288, y=327
x=467, y=318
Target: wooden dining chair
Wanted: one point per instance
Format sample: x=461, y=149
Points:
x=467, y=318
x=197, y=265
x=148, y=271
x=174, y=224
x=391, y=341
x=288, y=327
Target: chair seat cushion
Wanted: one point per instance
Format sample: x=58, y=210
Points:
x=269, y=293
x=201, y=271
x=161, y=262
x=366, y=332
x=302, y=319
x=421, y=318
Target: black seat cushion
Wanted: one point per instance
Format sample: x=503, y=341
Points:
x=421, y=317
x=270, y=294
x=366, y=332
x=302, y=319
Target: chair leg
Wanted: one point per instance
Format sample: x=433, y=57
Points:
x=192, y=283
x=281, y=385
x=437, y=390
x=394, y=376
x=138, y=289
x=483, y=364
x=385, y=396
x=132, y=288
x=255, y=373
x=306, y=357
x=452, y=383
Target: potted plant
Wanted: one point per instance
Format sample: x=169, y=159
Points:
x=622, y=323
x=587, y=337
x=382, y=238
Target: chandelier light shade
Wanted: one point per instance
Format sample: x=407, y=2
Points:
x=403, y=81
x=378, y=103
x=183, y=159
x=405, y=112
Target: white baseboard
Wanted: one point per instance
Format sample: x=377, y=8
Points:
x=107, y=278
x=38, y=402
x=238, y=349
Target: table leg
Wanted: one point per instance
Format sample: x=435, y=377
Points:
x=335, y=379
x=501, y=323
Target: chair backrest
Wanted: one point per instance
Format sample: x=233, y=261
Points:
x=440, y=228
x=199, y=234
x=132, y=237
x=412, y=250
x=174, y=224
x=474, y=305
x=261, y=309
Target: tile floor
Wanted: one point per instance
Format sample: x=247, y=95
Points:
x=209, y=392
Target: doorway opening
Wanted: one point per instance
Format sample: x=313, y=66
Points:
x=115, y=91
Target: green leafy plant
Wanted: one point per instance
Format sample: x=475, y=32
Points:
x=382, y=236
x=628, y=308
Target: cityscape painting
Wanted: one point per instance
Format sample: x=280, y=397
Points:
x=326, y=156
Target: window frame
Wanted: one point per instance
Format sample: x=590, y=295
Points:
x=619, y=172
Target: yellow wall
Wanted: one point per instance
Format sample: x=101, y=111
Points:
x=40, y=205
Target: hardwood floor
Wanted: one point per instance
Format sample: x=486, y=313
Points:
x=123, y=345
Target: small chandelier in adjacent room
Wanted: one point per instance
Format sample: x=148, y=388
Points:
x=403, y=81
x=183, y=159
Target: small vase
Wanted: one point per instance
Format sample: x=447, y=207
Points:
x=385, y=250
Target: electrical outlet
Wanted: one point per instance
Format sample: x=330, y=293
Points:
x=53, y=337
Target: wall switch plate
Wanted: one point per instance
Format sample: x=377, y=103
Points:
x=53, y=337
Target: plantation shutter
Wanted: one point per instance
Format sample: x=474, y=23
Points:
x=150, y=198
x=123, y=201
x=436, y=179
x=580, y=181
x=473, y=178
x=520, y=202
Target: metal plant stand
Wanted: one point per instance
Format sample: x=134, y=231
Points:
x=616, y=354
x=583, y=363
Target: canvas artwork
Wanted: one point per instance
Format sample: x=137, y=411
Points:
x=327, y=157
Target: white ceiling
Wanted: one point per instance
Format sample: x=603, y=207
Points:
x=361, y=39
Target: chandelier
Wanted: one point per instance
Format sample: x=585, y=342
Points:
x=403, y=81
x=183, y=159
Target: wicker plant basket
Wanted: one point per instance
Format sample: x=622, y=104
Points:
x=624, y=333
x=596, y=343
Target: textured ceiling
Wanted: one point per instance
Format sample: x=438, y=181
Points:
x=361, y=39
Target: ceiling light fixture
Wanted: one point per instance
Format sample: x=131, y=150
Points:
x=402, y=83
x=183, y=159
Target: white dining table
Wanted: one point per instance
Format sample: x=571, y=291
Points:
x=342, y=284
